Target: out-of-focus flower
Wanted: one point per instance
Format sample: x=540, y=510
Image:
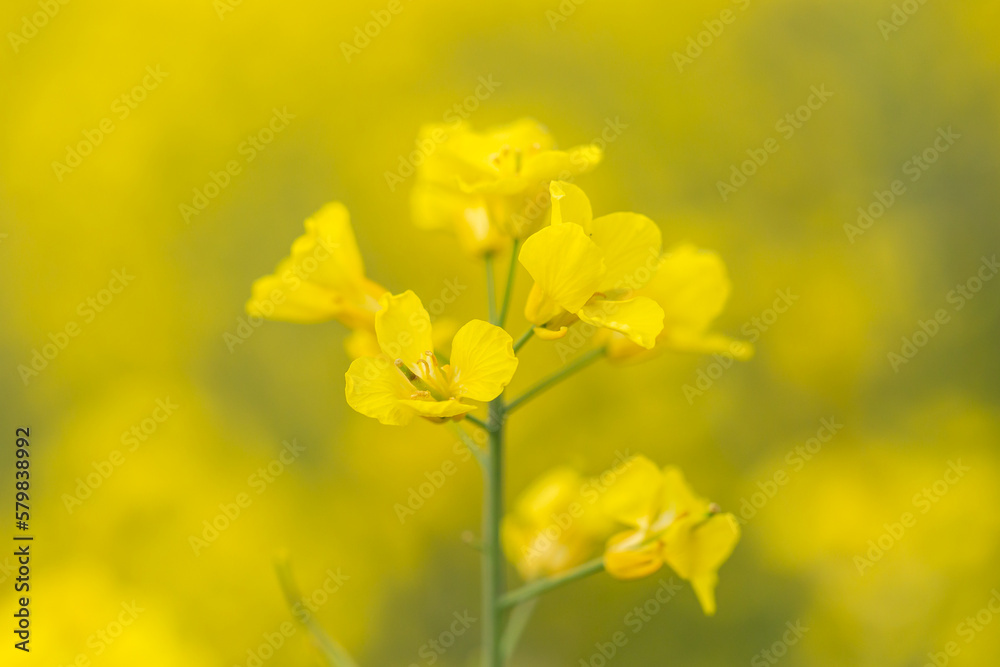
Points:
x=692, y=287
x=589, y=269
x=491, y=187
x=554, y=526
x=323, y=279
x=669, y=524
x=407, y=380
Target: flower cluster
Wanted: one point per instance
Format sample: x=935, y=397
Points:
x=505, y=190
x=562, y=520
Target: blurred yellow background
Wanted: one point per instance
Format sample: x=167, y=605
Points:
x=118, y=118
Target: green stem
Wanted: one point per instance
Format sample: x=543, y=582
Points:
x=524, y=339
x=511, y=272
x=491, y=290
x=536, y=588
x=516, y=625
x=333, y=652
x=493, y=564
x=579, y=364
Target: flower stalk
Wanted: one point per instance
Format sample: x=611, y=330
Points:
x=578, y=365
x=537, y=588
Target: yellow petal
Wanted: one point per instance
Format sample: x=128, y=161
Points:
x=361, y=343
x=539, y=308
x=692, y=286
x=482, y=361
x=570, y=204
x=678, y=494
x=549, y=165
x=695, y=547
x=375, y=388
x=565, y=264
x=551, y=334
x=622, y=561
x=632, y=245
x=434, y=206
x=634, y=497
x=640, y=319
x=522, y=133
x=271, y=297
x=437, y=409
x=329, y=239
x=403, y=328
x=323, y=277
x=704, y=588
x=551, y=527
x=438, y=207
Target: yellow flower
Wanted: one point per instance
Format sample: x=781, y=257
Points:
x=553, y=526
x=669, y=524
x=322, y=279
x=493, y=186
x=407, y=380
x=692, y=287
x=589, y=269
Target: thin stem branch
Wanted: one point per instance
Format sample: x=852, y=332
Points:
x=536, y=588
x=334, y=653
x=525, y=337
x=511, y=272
x=470, y=444
x=491, y=289
x=516, y=625
x=477, y=421
x=578, y=364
